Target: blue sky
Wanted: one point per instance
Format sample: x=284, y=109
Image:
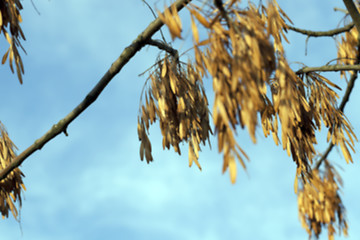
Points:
x=92, y=184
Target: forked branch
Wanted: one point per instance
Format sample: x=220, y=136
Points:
x=115, y=68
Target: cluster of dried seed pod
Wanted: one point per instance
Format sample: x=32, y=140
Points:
x=347, y=47
x=245, y=57
x=320, y=205
x=10, y=20
x=177, y=98
x=12, y=185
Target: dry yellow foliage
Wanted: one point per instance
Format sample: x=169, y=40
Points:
x=320, y=204
x=176, y=97
x=254, y=84
x=171, y=18
x=10, y=20
x=244, y=55
x=11, y=186
x=245, y=64
x=347, y=49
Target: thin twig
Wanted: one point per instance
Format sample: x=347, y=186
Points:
x=340, y=58
x=329, y=68
x=329, y=33
x=155, y=16
x=163, y=46
x=336, y=9
x=219, y=4
x=36, y=10
x=115, y=68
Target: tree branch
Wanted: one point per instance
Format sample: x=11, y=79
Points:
x=329, y=33
x=329, y=68
x=354, y=13
x=115, y=68
x=219, y=5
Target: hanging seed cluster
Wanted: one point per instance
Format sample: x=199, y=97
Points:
x=240, y=58
x=11, y=186
x=320, y=205
x=176, y=97
x=247, y=68
x=323, y=101
x=10, y=20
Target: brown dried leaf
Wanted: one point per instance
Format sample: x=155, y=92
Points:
x=200, y=18
x=172, y=20
x=195, y=30
x=5, y=56
x=232, y=169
